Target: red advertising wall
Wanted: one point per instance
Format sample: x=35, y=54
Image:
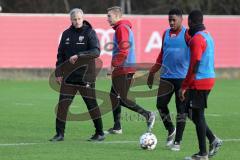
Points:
x=31, y=41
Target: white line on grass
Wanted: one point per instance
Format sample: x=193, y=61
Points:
x=231, y=140
x=18, y=144
x=213, y=115
x=102, y=142
x=105, y=142
x=117, y=142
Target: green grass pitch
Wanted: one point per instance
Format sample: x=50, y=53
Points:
x=27, y=122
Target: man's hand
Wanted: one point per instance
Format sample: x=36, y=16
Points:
x=109, y=71
x=59, y=80
x=73, y=59
x=150, y=80
x=182, y=94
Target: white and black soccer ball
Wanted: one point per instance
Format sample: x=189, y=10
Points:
x=148, y=141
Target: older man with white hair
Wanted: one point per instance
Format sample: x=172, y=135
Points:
x=75, y=72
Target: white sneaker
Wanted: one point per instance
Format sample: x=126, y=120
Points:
x=214, y=147
x=113, y=131
x=170, y=138
x=150, y=121
x=175, y=146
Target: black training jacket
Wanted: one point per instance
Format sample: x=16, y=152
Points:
x=85, y=44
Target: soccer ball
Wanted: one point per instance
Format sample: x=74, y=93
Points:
x=148, y=141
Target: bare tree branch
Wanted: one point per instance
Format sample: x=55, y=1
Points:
x=133, y=6
x=67, y=6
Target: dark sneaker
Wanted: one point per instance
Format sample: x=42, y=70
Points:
x=113, y=131
x=170, y=138
x=150, y=121
x=214, y=147
x=97, y=137
x=57, y=137
x=197, y=157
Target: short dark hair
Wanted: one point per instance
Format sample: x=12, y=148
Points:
x=175, y=11
x=196, y=17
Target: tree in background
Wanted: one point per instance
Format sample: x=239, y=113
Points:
x=211, y=7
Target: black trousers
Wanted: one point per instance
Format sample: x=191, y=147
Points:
x=67, y=94
x=196, y=104
x=163, y=100
x=118, y=96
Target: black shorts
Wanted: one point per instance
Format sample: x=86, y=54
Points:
x=197, y=98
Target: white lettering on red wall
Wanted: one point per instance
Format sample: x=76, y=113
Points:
x=31, y=41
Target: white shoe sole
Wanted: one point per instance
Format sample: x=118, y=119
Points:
x=175, y=149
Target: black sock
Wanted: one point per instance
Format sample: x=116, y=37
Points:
x=60, y=127
x=117, y=118
x=200, y=124
x=166, y=118
x=181, y=123
x=210, y=135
